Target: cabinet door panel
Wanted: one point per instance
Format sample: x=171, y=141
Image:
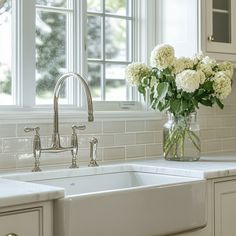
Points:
x=220, y=26
x=225, y=208
x=20, y=223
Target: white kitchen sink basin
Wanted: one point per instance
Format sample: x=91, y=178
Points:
x=107, y=182
x=124, y=200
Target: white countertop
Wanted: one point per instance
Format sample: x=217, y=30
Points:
x=15, y=192
x=206, y=168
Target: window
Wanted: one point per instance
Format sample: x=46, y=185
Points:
x=6, y=89
x=54, y=21
x=46, y=38
x=109, y=30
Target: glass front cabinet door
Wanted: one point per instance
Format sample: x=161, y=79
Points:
x=220, y=25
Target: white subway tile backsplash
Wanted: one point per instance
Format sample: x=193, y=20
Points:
x=229, y=121
x=1, y=146
x=145, y=137
x=84, y=155
x=154, y=125
x=229, y=144
x=135, y=151
x=213, y=145
x=91, y=127
x=7, y=161
x=65, y=141
x=7, y=130
x=153, y=150
x=114, y=127
x=214, y=122
x=124, y=139
x=206, y=134
x=158, y=137
x=114, y=153
x=117, y=140
x=16, y=145
x=105, y=140
x=135, y=125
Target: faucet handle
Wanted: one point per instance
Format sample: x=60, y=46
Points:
x=80, y=127
x=36, y=147
x=32, y=129
x=93, y=152
x=74, y=144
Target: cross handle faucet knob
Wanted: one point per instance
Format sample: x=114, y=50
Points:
x=80, y=127
x=32, y=129
x=36, y=146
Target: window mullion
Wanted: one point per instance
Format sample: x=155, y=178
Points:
x=81, y=48
x=27, y=55
x=103, y=79
x=70, y=55
x=16, y=52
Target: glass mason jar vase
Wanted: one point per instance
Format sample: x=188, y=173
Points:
x=181, y=140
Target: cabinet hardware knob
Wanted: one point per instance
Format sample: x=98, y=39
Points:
x=211, y=38
x=11, y=234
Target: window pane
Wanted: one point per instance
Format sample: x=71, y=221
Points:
x=221, y=27
x=94, y=37
x=6, y=97
x=115, y=33
x=115, y=82
x=94, y=80
x=94, y=5
x=50, y=54
x=117, y=7
x=222, y=5
x=109, y=48
x=115, y=90
x=52, y=3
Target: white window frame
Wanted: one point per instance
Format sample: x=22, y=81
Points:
x=145, y=38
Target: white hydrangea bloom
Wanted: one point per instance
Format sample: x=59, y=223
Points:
x=135, y=72
x=228, y=67
x=162, y=56
x=209, y=61
x=199, y=56
x=206, y=69
x=181, y=64
x=222, y=85
x=188, y=81
x=202, y=76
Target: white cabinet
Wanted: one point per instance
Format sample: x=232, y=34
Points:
x=225, y=208
x=27, y=220
x=218, y=28
x=22, y=222
x=221, y=209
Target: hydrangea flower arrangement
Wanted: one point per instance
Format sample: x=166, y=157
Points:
x=179, y=85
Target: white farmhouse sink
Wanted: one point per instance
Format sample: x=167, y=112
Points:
x=124, y=200
x=109, y=182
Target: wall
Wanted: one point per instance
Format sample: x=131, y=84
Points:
x=118, y=140
x=218, y=127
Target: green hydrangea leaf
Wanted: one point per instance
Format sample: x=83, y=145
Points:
x=162, y=90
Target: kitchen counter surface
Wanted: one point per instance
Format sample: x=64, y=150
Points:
x=15, y=192
x=208, y=167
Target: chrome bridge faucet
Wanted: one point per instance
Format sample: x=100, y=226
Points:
x=56, y=144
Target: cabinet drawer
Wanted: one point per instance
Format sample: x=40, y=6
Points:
x=21, y=223
x=225, y=208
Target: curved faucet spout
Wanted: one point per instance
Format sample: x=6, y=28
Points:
x=56, y=97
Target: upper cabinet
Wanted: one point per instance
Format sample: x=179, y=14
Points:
x=218, y=28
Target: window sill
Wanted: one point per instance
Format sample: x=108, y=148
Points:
x=69, y=115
